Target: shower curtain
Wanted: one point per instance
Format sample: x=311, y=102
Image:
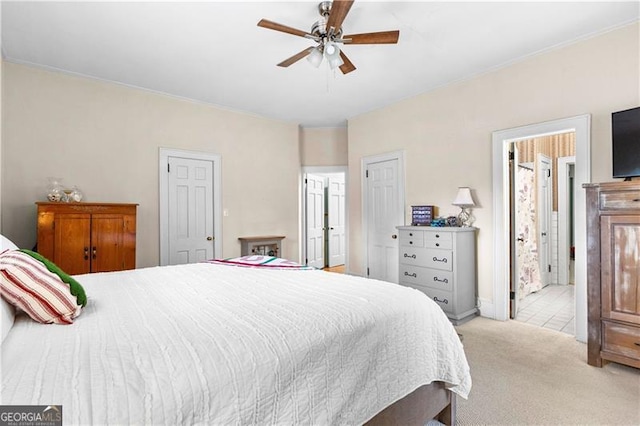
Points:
x=529, y=280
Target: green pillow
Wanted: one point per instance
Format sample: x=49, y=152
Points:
x=74, y=286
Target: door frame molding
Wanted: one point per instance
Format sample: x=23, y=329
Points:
x=544, y=269
x=501, y=140
x=163, y=197
x=303, y=208
x=563, y=218
x=364, y=163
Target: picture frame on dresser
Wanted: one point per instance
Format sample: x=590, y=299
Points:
x=441, y=263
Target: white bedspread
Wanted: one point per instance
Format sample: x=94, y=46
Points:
x=216, y=344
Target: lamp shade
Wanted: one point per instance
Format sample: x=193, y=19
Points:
x=315, y=57
x=464, y=199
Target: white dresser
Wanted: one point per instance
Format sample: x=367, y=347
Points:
x=441, y=262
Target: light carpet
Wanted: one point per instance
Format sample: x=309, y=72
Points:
x=527, y=375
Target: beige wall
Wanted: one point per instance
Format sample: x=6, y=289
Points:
x=446, y=134
x=105, y=139
x=1, y=120
x=323, y=146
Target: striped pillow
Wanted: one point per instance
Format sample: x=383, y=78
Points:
x=30, y=286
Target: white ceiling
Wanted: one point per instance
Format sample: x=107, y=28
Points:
x=214, y=52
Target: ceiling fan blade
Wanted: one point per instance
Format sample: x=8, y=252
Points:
x=348, y=66
x=339, y=10
x=295, y=58
x=264, y=23
x=382, y=37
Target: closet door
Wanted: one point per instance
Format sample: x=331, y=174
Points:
x=72, y=242
x=620, y=271
x=107, y=233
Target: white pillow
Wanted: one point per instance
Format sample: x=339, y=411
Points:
x=6, y=317
x=6, y=244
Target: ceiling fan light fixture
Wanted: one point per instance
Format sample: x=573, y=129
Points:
x=315, y=57
x=335, y=62
x=332, y=52
x=327, y=32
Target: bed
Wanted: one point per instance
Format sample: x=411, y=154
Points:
x=221, y=343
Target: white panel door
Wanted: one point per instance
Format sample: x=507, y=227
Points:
x=314, y=207
x=190, y=210
x=544, y=205
x=383, y=215
x=336, y=211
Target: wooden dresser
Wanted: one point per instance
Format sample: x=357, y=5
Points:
x=88, y=237
x=613, y=275
x=441, y=263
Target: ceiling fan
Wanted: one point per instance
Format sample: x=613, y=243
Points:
x=327, y=33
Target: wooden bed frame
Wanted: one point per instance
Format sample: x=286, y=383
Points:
x=428, y=402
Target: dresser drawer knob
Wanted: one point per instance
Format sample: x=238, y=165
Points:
x=410, y=242
x=411, y=234
x=444, y=280
x=437, y=244
x=437, y=235
x=444, y=259
x=445, y=301
x=414, y=275
x=413, y=256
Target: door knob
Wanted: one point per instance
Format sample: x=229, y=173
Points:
x=394, y=236
x=209, y=238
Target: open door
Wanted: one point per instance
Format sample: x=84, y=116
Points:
x=314, y=207
x=516, y=238
x=336, y=221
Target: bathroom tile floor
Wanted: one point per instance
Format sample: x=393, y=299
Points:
x=552, y=307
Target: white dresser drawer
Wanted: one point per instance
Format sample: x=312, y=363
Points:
x=438, y=259
x=434, y=278
x=443, y=298
x=438, y=236
x=412, y=238
x=442, y=244
x=412, y=256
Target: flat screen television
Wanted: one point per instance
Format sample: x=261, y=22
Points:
x=625, y=129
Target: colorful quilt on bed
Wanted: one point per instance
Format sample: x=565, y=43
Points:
x=259, y=261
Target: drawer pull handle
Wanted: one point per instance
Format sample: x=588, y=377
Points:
x=94, y=252
x=637, y=343
x=445, y=280
x=445, y=301
x=414, y=275
x=437, y=235
x=636, y=200
x=413, y=256
x=411, y=234
x=437, y=244
x=444, y=259
x=410, y=242
x=86, y=253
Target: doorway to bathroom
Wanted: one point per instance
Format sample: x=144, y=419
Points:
x=543, y=291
